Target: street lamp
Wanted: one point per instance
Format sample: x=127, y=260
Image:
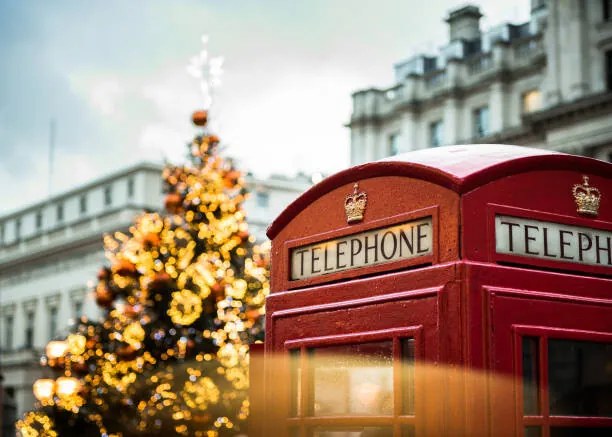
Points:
x=43, y=390
x=56, y=349
x=66, y=386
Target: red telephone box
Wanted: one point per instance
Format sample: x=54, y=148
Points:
x=463, y=290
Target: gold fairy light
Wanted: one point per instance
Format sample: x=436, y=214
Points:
x=76, y=344
x=201, y=393
x=185, y=307
x=134, y=334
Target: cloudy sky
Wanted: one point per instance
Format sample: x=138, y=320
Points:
x=112, y=74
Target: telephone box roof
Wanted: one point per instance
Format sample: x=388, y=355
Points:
x=459, y=168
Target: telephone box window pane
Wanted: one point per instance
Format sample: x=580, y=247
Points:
x=353, y=380
x=296, y=382
x=533, y=431
x=579, y=378
x=408, y=431
x=559, y=431
x=367, y=431
x=530, y=376
x=407, y=346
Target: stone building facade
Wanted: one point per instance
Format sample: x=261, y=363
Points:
x=544, y=83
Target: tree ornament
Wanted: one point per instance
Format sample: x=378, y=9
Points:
x=173, y=203
x=134, y=334
x=185, y=307
x=126, y=352
x=104, y=296
x=123, y=267
x=103, y=274
x=160, y=283
x=150, y=240
x=200, y=118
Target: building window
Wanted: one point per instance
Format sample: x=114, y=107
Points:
x=532, y=101
x=130, y=188
x=435, y=133
x=607, y=9
x=8, y=334
x=481, y=122
x=609, y=70
x=17, y=229
x=1, y=233
x=393, y=142
x=60, y=212
x=263, y=199
x=39, y=218
x=52, y=321
x=83, y=204
x=78, y=308
x=108, y=196
x=29, y=333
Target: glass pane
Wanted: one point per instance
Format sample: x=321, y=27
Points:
x=582, y=432
x=580, y=378
x=533, y=431
x=296, y=382
x=407, y=345
x=367, y=431
x=530, y=375
x=355, y=379
x=408, y=431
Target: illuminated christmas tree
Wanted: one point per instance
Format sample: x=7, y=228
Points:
x=183, y=298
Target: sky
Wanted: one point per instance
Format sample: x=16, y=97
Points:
x=112, y=75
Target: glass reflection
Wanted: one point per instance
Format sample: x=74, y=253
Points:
x=407, y=345
x=355, y=379
x=580, y=378
x=530, y=376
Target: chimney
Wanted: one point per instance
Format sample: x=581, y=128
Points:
x=464, y=23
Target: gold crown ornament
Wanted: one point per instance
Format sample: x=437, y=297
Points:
x=355, y=205
x=587, y=197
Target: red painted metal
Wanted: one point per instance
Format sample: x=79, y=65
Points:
x=467, y=306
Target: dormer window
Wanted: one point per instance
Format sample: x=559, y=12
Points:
x=108, y=196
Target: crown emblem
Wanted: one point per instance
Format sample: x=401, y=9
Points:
x=586, y=197
x=355, y=204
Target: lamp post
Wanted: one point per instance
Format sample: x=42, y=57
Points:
x=43, y=390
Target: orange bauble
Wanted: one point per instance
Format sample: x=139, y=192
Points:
x=123, y=267
x=126, y=352
x=80, y=367
x=252, y=314
x=200, y=118
x=150, y=239
x=213, y=139
x=160, y=283
x=231, y=178
x=131, y=311
x=103, y=273
x=173, y=203
x=104, y=296
x=200, y=418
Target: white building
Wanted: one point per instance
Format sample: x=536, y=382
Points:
x=51, y=250
x=544, y=83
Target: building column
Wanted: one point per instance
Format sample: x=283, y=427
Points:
x=551, y=84
x=451, y=121
x=497, y=104
x=370, y=144
x=408, y=139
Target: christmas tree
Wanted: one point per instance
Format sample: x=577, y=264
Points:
x=183, y=298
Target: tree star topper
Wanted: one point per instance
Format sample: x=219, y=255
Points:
x=207, y=70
